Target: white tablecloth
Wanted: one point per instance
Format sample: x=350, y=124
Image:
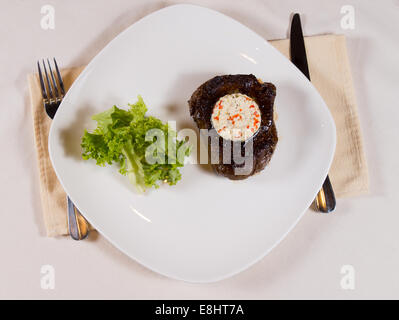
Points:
x=363, y=232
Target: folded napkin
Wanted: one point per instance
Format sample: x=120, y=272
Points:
x=330, y=74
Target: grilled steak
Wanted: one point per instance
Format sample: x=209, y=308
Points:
x=259, y=96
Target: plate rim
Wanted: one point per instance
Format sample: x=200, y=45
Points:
x=87, y=70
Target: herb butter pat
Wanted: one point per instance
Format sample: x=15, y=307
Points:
x=236, y=117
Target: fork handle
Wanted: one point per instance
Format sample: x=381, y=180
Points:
x=325, y=199
x=78, y=226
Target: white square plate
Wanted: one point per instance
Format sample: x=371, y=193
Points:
x=207, y=227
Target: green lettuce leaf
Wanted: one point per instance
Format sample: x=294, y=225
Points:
x=120, y=137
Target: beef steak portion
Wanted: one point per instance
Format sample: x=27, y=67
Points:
x=263, y=141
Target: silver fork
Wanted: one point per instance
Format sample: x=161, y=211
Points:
x=53, y=92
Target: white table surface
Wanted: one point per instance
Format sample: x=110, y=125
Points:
x=363, y=232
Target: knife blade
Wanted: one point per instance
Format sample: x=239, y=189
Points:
x=325, y=200
x=297, y=46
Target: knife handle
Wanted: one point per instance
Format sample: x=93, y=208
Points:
x=325, y=199
x=78, y=226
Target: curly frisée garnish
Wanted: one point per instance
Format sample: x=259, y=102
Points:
x=132, y=140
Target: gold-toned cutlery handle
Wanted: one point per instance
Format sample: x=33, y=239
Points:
x=325, y=199
x=78, y=226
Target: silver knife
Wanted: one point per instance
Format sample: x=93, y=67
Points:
x=325, y=199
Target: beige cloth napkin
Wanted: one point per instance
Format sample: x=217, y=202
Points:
x=330, y=73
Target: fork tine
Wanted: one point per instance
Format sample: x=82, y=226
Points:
x=59, y=77
x=52, y=79
x=43, y=87
x=48, y=80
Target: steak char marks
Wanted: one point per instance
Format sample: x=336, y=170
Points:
x=263, y=141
